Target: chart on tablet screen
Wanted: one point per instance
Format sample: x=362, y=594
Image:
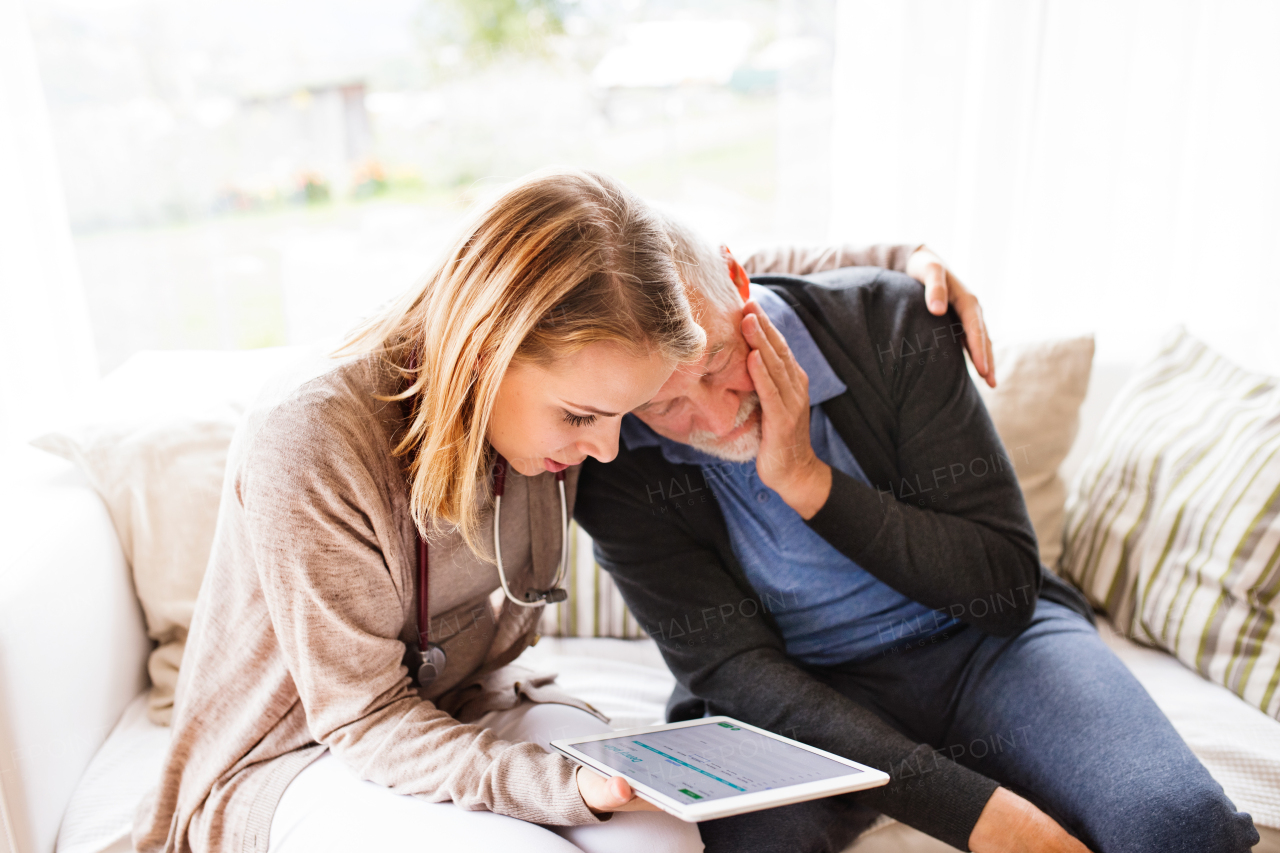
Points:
x=712, y=761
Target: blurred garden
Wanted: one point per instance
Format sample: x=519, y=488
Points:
x=244, y=174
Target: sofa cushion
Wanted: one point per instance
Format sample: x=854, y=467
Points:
x=124, y=770
x=73, y=646
x=626, y=681
x=1174, y=519
x=152, y=438
x=629, y=683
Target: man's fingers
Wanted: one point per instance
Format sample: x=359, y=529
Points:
x=771, y=332
x=773, y=411
x=766, y=387
x=789, y=377
x=759, y=340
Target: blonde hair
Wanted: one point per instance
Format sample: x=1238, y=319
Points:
x=558, y=261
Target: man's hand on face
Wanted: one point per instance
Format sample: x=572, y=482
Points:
x=786, y=462
x=941, y=287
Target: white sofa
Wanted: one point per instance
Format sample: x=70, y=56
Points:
x=76, y=749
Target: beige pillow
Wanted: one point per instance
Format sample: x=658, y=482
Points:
x=152, y=438
x=1036, y=410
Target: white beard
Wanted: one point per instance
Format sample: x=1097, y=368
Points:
x=744, y=448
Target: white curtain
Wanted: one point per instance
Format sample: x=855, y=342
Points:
x=46, y=346
x=1086, y=165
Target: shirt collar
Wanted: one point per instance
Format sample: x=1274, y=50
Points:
x=824, y=384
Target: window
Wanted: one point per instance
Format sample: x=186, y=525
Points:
x=244, y=174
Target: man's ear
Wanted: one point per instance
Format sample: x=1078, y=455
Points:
x=737, y=274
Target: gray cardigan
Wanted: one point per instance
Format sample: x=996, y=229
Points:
x=929, y=526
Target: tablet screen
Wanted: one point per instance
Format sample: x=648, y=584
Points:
x=710, y=762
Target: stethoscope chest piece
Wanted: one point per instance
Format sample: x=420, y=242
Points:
x=431, y=664
x=431, y=658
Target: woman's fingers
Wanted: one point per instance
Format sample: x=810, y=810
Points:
x=942, y=287
x=609, y=795
x=991, y=359
x=928, y=269
x=633, y=802
x=935, y=288
x=617, y=792
x=600, y=794
x=976, y=338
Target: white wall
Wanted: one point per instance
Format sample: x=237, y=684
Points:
x=1105, y=165
x=46, y=346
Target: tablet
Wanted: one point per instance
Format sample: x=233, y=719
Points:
x=717, y=767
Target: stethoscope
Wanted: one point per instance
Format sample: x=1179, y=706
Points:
x=431, y=656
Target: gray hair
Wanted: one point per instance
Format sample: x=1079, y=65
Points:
x=701, y=266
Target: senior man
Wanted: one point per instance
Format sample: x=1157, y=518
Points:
x=802, y=524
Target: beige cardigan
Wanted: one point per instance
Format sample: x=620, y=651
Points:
x=298, y=641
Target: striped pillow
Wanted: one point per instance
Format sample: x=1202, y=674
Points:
x=594, y=607
x=1173, y=524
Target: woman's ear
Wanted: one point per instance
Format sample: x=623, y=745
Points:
x=737, y=274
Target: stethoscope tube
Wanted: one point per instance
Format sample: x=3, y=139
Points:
x=432, y=659
x=533, y=599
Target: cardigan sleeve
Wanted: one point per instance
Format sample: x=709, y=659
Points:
x=318, y=538
x=949, y=528
x=806, y=260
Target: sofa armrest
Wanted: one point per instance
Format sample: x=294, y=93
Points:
x=73, y=645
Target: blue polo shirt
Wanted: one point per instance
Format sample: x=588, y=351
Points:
x=830, y=610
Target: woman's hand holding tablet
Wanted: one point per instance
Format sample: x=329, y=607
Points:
x=715, y=767
x=609, y=794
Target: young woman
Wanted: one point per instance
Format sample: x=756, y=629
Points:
x=367, y=592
